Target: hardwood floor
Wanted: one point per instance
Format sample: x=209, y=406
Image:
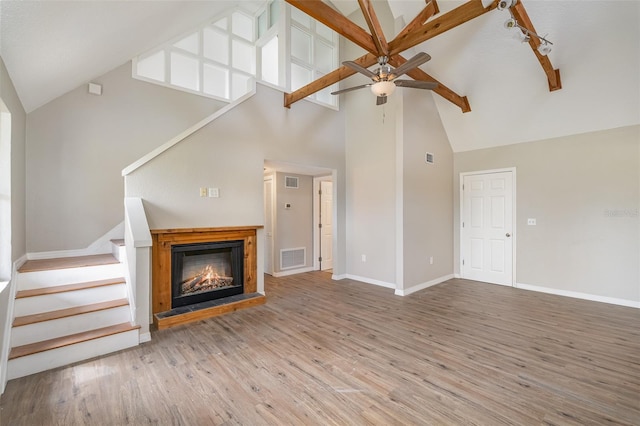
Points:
x=342, y=352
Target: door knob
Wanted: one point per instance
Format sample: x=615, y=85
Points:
x=508, y=234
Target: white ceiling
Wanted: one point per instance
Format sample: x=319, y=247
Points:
x=51, y=47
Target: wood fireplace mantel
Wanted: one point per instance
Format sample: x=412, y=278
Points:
x=163, y=239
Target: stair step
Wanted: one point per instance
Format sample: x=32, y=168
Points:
x=67, y=262
x=118, y=242
x=33, y=348
x=62, y=313
x=68, y=287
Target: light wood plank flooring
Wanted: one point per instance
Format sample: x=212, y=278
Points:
x=345, y=353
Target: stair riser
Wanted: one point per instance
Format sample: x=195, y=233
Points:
x=50, y=278
x=119, y=252
x=52, y=329
x=42, y=361
x=69, y=299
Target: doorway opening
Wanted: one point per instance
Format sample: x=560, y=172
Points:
x=299, y=219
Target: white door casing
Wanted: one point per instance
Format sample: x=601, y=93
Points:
x=326, y=228
x=268, y=225
x=487, y=226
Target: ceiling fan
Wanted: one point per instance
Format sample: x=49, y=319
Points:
x=384, y=77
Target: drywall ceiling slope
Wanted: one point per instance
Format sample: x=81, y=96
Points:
x=596, y=47
x=52, y=47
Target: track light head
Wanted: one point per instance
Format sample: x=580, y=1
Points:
x=506, y=4
x=544, y=49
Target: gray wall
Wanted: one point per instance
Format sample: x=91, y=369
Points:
x=293, y=227
x=18, y=131
x=229, y=154
x=371, y=171
x=427, y=192
x=78, y=144
x=584, y=191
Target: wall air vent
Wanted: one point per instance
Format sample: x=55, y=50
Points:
x=428, y=158
x=293, y=258
x=291, y=182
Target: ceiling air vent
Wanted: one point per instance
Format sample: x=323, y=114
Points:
x=291, y=182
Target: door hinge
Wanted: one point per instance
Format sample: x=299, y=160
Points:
x=319, y=225
x=462, y=262
x=320, y=192
x=463, y=224
x=320, y=259
x=463, y=186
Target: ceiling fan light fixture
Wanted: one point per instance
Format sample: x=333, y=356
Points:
x=383, y=88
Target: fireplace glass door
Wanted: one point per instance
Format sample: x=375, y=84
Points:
x=206, y=271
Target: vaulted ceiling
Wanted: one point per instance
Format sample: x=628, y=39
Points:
x=50, y=48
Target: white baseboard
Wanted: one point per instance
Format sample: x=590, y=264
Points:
x=338, y=277
x=370, y=281
x=578, y=295
x=100, y=246
x=292, y=272
x=144, y=337
x=422, y=286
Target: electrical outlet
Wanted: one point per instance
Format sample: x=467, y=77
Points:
x=431, y=260
x=214, y=192
x=531, y=221
x=364, y=257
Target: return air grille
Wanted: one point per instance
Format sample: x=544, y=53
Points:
x=291, y=182
x=293, y=258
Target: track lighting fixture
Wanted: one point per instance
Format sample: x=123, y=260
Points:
x=524, y=34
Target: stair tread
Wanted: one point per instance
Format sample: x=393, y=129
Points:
x=63, y=313
x=33, y=348
x=67, y=262
x=68, y=287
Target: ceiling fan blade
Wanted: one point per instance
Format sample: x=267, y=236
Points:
x=360, y=69
x=416, y=61
x=416, y=84
x=381, y=100
x=349, y=89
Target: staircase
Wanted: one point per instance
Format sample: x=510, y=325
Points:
x=68, y=310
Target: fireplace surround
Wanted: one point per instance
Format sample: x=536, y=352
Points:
x=233, y=249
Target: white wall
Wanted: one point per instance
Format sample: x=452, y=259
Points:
x=584, y=192
x=18, y=239
x=78, y=144
x=229, y=154
x=18, y=132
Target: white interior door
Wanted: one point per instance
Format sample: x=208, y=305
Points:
x=268, y=225
x=326, y=222
x=487, y=227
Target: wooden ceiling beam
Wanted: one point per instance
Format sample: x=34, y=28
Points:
x=458, y=16
x=553, y=75
x=323, y=13
x=417, y=22
x=375, y=28
x=328, y=79
x=405, y=40
x=417, y=74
